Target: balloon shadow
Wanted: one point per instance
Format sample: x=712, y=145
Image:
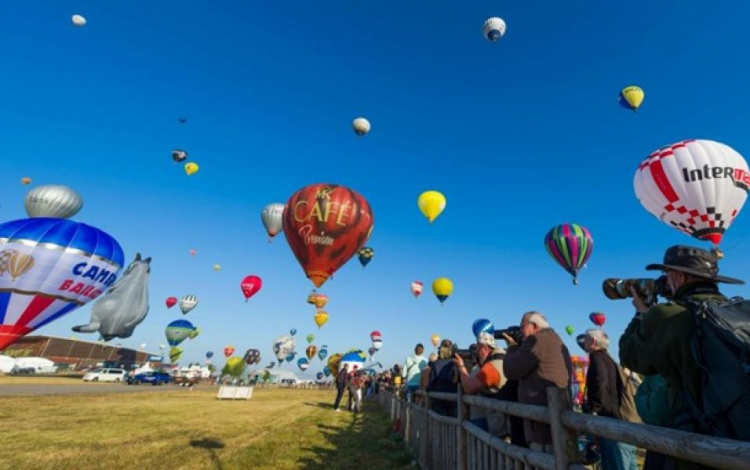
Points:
x=210, y=445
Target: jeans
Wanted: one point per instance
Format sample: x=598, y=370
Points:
x=617, y=455
x=339, y=396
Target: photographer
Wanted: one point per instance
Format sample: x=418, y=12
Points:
x=658, y=339
x=444, y=378
x=540, y=361
x=486, y=379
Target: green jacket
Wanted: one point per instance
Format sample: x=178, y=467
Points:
x=659, y=343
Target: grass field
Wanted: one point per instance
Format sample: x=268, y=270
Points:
x=276, y=429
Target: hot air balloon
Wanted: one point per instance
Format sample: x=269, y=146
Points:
x=311, y=351
x=432, y=204
x=25, y=180
x=482, y=325
x=252, y=356
x=48, y=268
x=361, y=126
x=171, y=302
x=322, y=353
x=354, y=358
x=321, y=318
x=217, y=267
x=56, y=201
x=193, y=252
x=581, y=341
x=598, y=319
x=235, y=366
x=191, y=168
x=435, y=340
x=182, y=119
x=310, y=338
x=416, y=288
x=377, y=343
x=290, y=357
x=695, y=186
x=319, y=300
x=303, y=363
x=570, y=245
x=493, y=29
x=174, y=354
x=228, y=351
x=569, y=330
x=187, y=303
x=325, y=225
x=209, y=354
x=78, y=20
x=179, y=155
x=283, y=346
x=333, y=362
x=631, y=98
x=319, y=376
x=179, y=330
x=372, y=351
x=293, y=331
x=365, y=255
x=442, y=288
x=250, y=286
x=273, y=219
x=327, y=371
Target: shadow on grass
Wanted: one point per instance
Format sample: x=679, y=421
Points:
x=210, y=445
x=320, y=404
x=365, y=442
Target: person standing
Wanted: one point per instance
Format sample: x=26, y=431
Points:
x=412, y=370
x=341, y=380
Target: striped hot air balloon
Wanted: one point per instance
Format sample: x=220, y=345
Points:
x=571, y=246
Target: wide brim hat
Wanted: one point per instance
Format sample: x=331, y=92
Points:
x=696, y=261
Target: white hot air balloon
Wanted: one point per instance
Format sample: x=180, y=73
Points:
x=78, y=20
x=695, y=186
x=493, y=29
x=188, y=303
x=361, y=126
x=272, y=217
x=56, y=201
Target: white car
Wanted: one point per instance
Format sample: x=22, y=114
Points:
x=105, y=375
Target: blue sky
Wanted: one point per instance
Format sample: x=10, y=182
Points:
x=520, y=136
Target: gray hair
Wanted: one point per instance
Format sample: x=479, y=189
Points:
x=600, y=337
x=537, y=318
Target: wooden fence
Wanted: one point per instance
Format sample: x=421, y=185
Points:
x=442, y=442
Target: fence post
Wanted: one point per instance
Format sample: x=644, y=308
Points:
x=564, y=441
x=424, y=445
x=460, y=434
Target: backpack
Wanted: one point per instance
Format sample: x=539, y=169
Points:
x=630, y=384
x=721, y=348
x=443, y=376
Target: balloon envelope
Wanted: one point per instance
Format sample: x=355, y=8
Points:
x=432, y=204
x=53, y=201
x=187, y=303
x=493, y=29
x=191, y=168
x=171, y=302
x=179, y=330
x=482, y=325
x=631, y=97
x=571, y=246
x=435, y=340
x=442, y=288
x=361, y=126
x=228, y=351
x=695, y=186
x=272, y=218
x=598, y=319
x=250, y=286
x=321, y=318
x=78, y=20
x=325, y=225
x=48, y=268
x=416, y=288
x=569, y=330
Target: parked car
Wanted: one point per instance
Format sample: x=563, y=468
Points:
x=153, y=378
x=105, y=375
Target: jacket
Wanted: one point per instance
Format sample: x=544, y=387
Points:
x=540, y=361
x=659, y=343
x=603, y=385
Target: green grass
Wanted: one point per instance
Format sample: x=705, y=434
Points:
x=276, y=429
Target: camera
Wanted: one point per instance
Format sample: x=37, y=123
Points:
x=648, y=289
x=512, y=331
x=469, y=356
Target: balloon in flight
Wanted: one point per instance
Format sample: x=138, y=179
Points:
x=56, y=201
x=25, y=180
x=432, y=204
x=365, y=255
x=228, y=351
x=171, y=302
x=416, y=288
x=321, y=318
x=179, y=155
x=442, y=287
x=78, y=20
x=695, y=186
x=598, y=319
x=250, y=286
x=325, y=225
x=187, y=303
x=631, y=97
x=48, y=268
x=435, y=340
x=493, y=29
x=191, y=168
x=272, y=218
x=571, y=246
x=311, y=351
x=361, y=126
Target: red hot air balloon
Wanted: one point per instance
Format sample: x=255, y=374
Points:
x=228, y=351
x=325, y=225
x=375, y=335
x=250, y=286
x=171, y=302
x=598, y=319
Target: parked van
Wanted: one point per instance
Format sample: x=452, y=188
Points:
x=105, y=375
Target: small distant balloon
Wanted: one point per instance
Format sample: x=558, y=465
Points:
x=416, y=288
x=25, y=180
x=321, y=318
x=442, y=288
x=272, y=217
x=171, y=302
x=365, y=255
x=182, y=119
x=293, y=331
x=493, y=29
x=432, y=204
x=179, y=155
x=78, y=20
x=193, y=252
x=569, y=330
x=191, y=168
x=250, y=285
x=631, y=97
x=435, y=340
x=361, y=126
x=187, y=303
x=217, y=267
x=598, y=319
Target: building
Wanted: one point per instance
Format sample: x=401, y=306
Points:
x=76, y=355
x=274, y=376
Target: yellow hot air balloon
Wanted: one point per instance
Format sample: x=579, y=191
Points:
x=191, y=168
x=432, y=204
x=631, y=97
x=435, y=340
x=217, y=267
x=19, y=264
x=333, y=363
x=321, y=317
x=442, y=287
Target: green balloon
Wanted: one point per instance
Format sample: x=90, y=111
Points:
x=235, y=366
x=310, y=338
x=569, y=329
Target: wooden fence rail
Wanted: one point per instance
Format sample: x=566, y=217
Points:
x=443, y=442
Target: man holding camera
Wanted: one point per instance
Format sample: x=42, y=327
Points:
x=541, y=360
x=658, y=339
x=486, y=381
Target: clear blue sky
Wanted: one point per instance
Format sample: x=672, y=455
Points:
x=520, y=136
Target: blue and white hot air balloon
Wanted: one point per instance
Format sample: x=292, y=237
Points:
x=493, y=29
x=354, y=359
x=48, y=268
